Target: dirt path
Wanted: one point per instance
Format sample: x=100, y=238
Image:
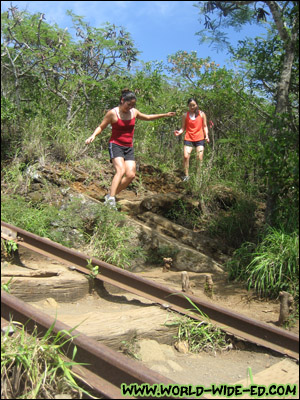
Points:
x=230, y=295
x=137, y=327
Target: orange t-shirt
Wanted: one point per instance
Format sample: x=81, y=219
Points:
x=194, y=128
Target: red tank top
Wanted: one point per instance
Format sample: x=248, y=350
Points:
x=194, y=128
x=122, y=131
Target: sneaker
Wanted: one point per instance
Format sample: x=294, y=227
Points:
x=110, y=201
x=185, y=178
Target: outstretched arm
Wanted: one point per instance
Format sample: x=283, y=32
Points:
x=152, y=117
x=106, y=121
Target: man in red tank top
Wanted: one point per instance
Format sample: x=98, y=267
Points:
x=122, y=120
x=194, y=123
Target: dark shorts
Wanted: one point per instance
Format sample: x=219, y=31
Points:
x=120, y=151
x=195, y=144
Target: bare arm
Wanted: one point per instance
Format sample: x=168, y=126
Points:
x=205, y=127
x=177, y=133
x=152, y=117
x=106, y=121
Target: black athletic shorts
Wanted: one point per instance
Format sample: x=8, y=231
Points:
x=195, y=144
x=121, y=151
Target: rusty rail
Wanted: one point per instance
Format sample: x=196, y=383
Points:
x=249, y=329
x=106, y=369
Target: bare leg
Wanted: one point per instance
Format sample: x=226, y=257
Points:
x=200, y=154
x=125, y=173
x=186, y=159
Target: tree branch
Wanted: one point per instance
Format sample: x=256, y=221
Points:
x=277, y=15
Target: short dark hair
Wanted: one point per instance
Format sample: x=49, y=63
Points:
x=127, y=95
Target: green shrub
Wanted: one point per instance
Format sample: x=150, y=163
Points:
x=184, y=214
x=113, y=240
x=275, y=265
x=39, y=364
x=236, y=224
x=271, y=266
x=17, y=211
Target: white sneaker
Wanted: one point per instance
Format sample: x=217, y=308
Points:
x=185, y=178
x=110, y=201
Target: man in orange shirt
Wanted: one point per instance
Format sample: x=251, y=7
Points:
x=195, y=125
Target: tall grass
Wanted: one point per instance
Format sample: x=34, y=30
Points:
x=275, y=266
x=271, y=266
x=34, y=367
x=200, y=336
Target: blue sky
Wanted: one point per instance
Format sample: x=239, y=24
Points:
x=158, y=28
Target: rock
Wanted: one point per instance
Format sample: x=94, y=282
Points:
x=159, y=202
x=33, y=174
x=286, y=301
x=192, y=260
x=184, y=257
x=36, y=197
x=182, y=346
x=240, y=345
x=185, y=281
x=168, y=261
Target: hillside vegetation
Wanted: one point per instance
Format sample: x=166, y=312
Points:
x=56, y=90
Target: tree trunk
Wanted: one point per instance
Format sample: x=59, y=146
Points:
x=282, y=98
x=285, y=78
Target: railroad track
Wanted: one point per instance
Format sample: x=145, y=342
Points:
x=106, y=369
x=249, y=329
x=116, y=365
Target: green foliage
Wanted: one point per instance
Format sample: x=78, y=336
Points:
x=189, y=66
x=45, y=220
x=112, y=240
x=200, y=336
x=69, y=86
x=54, y=67
x=13, y=175
x=242, y=257
x=271, y=266
x=155, y=256
x=8, y=246
x=94, y=269
x=184, y=213
x=6, y=286
x=272, y=67
x=213, y=16
x=17, y=211
x=236, y=224
x=279, y=158
x=8, y=110
x=39, y=364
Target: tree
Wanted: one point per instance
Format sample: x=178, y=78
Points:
x=46, y=55
x=237, y=13
x=284, y=25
